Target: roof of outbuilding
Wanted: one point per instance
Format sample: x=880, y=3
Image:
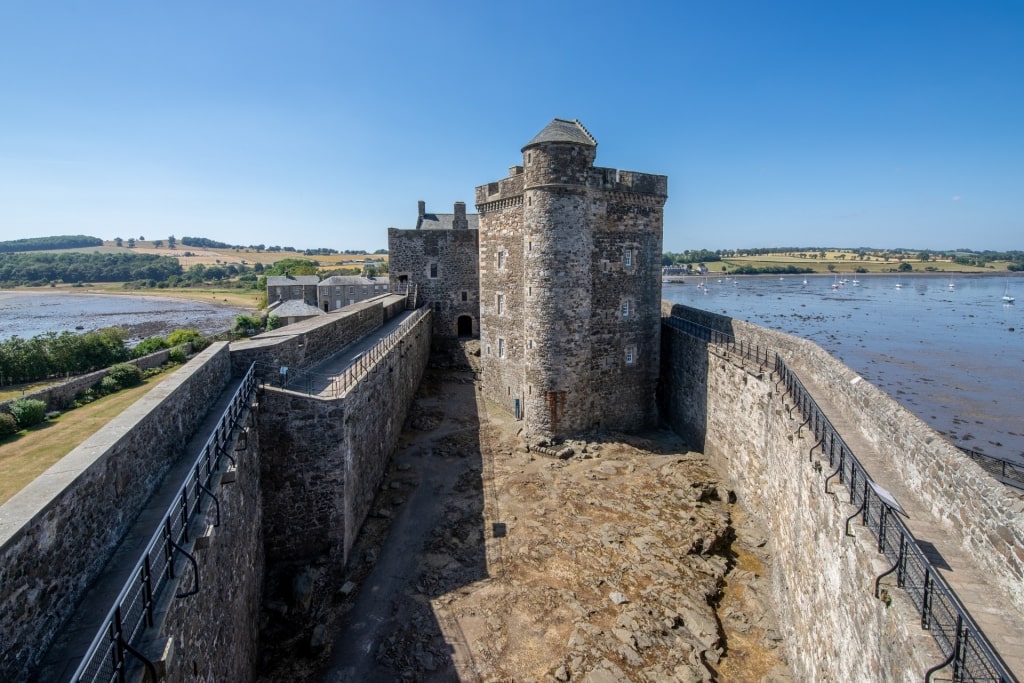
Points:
x=445, y=221
x=284, y=280
x=563, y=130
x=337, y=280
x=293, y=308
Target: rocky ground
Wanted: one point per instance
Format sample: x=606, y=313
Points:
x=622, y=558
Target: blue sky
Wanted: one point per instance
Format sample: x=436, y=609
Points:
x=320, y=124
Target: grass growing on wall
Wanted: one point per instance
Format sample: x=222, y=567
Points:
x=27, y=454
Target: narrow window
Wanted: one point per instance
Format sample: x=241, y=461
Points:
x=501, y=348
x=501, y=304
x=625, y=308
x=501, y=260
x=630, y=355
x=437, y=306
x=433, y=270
x=627, y=258
x=465, y=296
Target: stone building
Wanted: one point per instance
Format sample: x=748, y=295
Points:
x=339, y=291
x=292, y=287
x=438, y=261
x=570, y=287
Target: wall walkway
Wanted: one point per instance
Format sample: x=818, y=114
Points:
x=824, y=582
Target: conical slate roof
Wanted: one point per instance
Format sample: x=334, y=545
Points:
x=563, y=130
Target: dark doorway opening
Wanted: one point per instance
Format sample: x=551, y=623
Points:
x=465, y=326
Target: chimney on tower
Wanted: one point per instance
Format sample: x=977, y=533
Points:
x=459, y=222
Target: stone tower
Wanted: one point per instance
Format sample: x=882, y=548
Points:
x=570, y=287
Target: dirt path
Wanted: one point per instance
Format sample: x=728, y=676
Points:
x=485, y=561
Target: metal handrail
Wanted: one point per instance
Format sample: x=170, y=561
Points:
x=959, y=638
x=133, y=610
x=1009, y=472
x=333, y=386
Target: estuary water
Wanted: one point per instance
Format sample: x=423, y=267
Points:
x=27, y=314
x=954, y=356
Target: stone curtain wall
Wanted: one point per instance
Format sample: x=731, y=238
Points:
x=305, y=343
x=985, y=516
x=324, y=459
x=60, y=396
x=57, y=533
x=215, y=632
x=822, y=581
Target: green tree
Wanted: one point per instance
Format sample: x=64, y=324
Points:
x=905, y=267
x=172, y=242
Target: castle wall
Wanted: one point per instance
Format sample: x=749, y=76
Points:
x=823, y=582
x=455, y=290
x=306, y=343
x=323, y=459
x=504, y=338
x=57, y=533
x=214, y=634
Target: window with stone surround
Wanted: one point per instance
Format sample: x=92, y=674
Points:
x=501, y=304
x=631, y=355
x=625, y=308
x=501, y=348
x=627, y=258
x=501, y=260
x=465, y=296
x=433, y=270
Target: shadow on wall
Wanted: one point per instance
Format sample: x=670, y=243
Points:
x=683, y=383
x=423, y=538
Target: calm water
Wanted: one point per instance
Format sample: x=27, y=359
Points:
x=953, y=356
x=27, y=314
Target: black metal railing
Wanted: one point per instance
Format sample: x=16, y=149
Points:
x=111, y=651
x=754, y=353
x=968, y=651
x=966, y=648
x=333, y=386
x=1008, y=472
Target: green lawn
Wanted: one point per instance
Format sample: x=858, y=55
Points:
x=27, y=454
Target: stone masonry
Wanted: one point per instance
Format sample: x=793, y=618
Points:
x=570, y=287
x=439, y=259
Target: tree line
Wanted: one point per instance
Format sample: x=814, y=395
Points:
x=64, y=354
x=40, y=268
x=55, y=242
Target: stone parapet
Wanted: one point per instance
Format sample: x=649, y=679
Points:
x=58, y=532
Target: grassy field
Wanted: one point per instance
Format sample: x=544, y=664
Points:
x=27, y=454
x=837, y=261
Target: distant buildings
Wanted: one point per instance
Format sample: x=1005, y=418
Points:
x=324, y=296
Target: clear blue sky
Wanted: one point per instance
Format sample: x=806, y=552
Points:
x=320, y=124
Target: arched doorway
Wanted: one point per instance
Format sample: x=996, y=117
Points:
x=465, y=326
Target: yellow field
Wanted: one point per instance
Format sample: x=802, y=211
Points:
x=226, y=257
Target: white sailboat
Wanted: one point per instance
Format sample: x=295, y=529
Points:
x=1007, y=299
x=899, y=285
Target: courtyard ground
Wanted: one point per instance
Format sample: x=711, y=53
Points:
x=626, y=559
